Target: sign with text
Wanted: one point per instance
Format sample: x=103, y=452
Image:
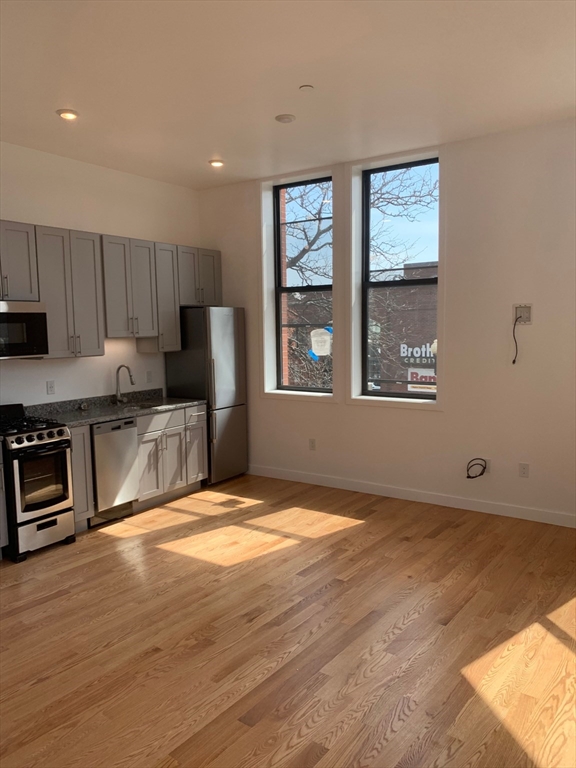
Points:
x=421, y=380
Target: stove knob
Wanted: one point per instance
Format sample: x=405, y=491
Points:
x=40, y=436
x=30, y=438
x=19, y=440
x=61, y=433
x=51, y=434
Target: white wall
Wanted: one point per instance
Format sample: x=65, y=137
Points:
x=508, y=202
x=41, y=188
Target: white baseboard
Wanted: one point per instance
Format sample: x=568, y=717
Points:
x=410, y=494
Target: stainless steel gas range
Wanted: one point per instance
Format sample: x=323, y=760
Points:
x=38, y=481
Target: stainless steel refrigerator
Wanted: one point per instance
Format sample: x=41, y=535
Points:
x=212, y=366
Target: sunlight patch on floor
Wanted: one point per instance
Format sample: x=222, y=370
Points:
x=223, y=501
x=228, y=546
x=516, y=680
x=146, y=522
x=304, y=522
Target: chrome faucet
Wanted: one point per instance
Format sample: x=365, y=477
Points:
x=119, y=396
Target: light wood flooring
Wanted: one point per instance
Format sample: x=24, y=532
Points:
x=269, y=623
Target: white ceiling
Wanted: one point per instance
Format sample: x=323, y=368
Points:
x=162, y=85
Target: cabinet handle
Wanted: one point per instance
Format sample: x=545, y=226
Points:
x=202, y=289
x=137, y=326
x=72, y=345
x=79, y=352
x=6, y=287
x=165, y=436
x=161, y=342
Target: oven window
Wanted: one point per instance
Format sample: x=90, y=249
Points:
x=44, y=480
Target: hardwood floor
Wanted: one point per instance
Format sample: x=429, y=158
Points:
x=270, y=623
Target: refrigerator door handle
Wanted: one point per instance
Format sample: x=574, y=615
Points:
x=213, y=436
x=212, y=383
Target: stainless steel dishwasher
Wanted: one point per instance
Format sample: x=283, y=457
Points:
x=115, y=452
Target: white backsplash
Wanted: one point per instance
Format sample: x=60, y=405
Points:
x=24, y=381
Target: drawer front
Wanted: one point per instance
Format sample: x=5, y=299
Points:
x=44, y=532
x=157, y=421
x=195, y=414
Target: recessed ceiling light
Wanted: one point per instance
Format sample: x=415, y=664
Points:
x=67, y=114
x=285, y=118
x=216, y=163
x=306, y=88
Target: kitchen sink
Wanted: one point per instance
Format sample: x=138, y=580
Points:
x=137, y=407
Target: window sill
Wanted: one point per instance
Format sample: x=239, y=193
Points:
x=286, y=394
x=395, y=402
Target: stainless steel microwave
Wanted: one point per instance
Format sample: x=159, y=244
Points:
x=23, y=329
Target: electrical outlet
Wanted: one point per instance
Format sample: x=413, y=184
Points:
x=148, y=377
x=524, y=470
x=312, y=444
x=523, y=313
x=50, y=388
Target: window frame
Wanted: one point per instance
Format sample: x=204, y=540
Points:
x=367, y=283
x=280, y=290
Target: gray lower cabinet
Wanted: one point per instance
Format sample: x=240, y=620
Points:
x=150, y=465
x=168, y=302
x=82, y=478
x=18, y=263
x=70, y=279
x=161, y=462
x=200, y=276
x=130, y=287
x=196, y=452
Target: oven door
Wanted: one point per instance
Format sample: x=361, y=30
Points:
x=23, y=329
x=42, y=481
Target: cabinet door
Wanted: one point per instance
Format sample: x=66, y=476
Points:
x=174, y=458
x=143, y=270
x=187, y=259
x=117, y=287
x=19, y=274
x=168, y=297
x=150, y=465
x=3, y=520
x=196, y=452
x=86, y=259
x=82, y=482
x=54, y=271
x=209, y=273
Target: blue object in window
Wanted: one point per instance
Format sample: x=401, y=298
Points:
x=313, y=356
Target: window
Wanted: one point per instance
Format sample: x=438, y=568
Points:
x=400, y=280
x=303, y=248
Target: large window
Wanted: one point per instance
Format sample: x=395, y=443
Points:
x=303, y=245
x=400, y=280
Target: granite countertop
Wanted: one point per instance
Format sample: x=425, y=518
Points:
x=79, y=413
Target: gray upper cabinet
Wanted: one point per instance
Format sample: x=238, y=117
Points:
x=130, y=287
x=168, y=302
x=117, y=286
x=18, y=262
x=209, y=277
x=87, y=293
x=187, y=258
x=70, y=277
x=200, y=276
x=142, y=266
x=55, y=274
